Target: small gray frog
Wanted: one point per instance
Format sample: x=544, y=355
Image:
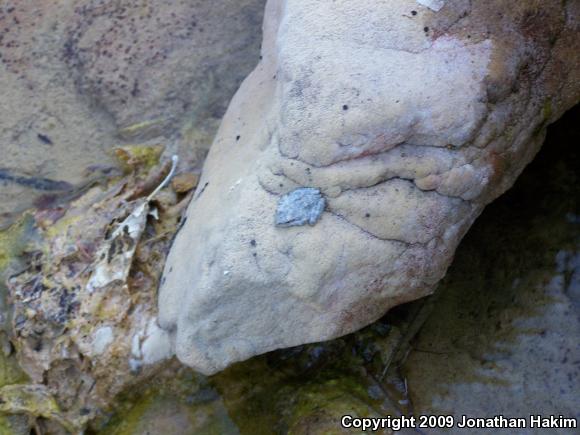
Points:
x=300, y=207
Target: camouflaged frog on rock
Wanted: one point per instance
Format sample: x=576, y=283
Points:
x=364, y=116
x=300, y=207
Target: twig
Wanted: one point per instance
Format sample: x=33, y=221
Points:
x=174, y=161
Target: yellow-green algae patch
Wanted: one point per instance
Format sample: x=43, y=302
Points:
x=10, y=375
x=12, y=242
x=304, y=390
x=139, y=157
x=176, y=401
x=33, y=400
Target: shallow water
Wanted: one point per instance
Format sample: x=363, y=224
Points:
x=66, y=101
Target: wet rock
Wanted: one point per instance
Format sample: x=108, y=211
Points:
x=407, y=149
x=149, y=64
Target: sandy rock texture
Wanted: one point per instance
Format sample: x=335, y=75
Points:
x=409, y=117
x=79, y=77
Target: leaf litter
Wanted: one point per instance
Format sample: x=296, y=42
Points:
x=84, y=322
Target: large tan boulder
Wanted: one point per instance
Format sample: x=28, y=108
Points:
x=352, y=161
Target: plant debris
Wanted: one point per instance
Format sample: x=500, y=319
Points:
x=84, y=312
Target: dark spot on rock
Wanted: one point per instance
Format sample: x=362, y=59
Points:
x=171, y=269
x=345, y=107
x=44, y=139
x=254, y=255
x=367, y=215
x=238, y=137
x=37, y=346
x=202, y=190
x=413, y=13
x=425, y=29
x=135, y=90
x=181, y=224
x=253, y=242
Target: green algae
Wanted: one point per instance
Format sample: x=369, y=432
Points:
x=176, y=401
x=35, y=401
x=156, y=414
x=11, y=374
x=139, y=157
x=10, y=371
x=317, y=408
x=547, y=110
x=13, y=241
x=309, y=388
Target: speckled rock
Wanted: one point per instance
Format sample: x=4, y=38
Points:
x=79, y=77
x=408, y=117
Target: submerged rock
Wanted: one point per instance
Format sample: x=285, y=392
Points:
x=78, y=77
x=408, y=124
